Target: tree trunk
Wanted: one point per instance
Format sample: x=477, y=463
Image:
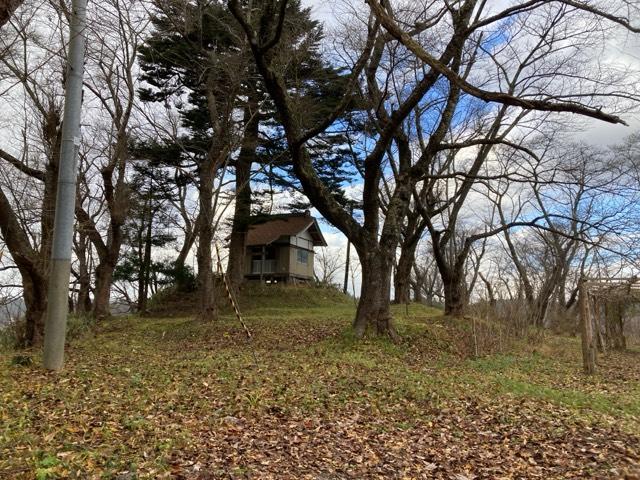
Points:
x=143, y=248
x=455, y=294
x=538, y=308
x=451, y=269
x=30, y=265
x=538, y=311
x=83, y=304
x=490, y=294
x=104, y=275
x=48, y=214
x=242, y=213
x=104, y=279
x=597, y=323
x=417, y=290
x=242, y=208
x=373, y=313
x=109, y=251
x=145, y=265
x=142, y=305
x=108, y=255
x=419, y=283
x=183, y=282
x=345, y=286
x=35, y=299
x=140, y=254
x=208, y=308
x=402, y=279
x=102, y=295
x=614, y=315
x=589, y=351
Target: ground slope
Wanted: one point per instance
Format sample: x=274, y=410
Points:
x=174, y=398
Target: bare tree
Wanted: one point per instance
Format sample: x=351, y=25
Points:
x=412, y=232
x=584, y=202
x=459, y=28
x=115, y=28
x=28, y=187
x=425, y=279
x=327, y=264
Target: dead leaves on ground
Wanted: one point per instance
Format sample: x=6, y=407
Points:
x=464, y=441
x=142, y=404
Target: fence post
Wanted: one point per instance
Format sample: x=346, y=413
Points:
x=588, y=345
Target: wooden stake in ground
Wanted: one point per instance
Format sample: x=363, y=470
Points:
x=234, y=304
x=589, y=352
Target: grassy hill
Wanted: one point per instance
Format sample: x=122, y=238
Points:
x=177, y=398
x=169, y=303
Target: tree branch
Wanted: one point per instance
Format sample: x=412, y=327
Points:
x=32, y=172
x=488, y=96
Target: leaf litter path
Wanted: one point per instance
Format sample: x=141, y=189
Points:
x=506, y=441
x=172, y=398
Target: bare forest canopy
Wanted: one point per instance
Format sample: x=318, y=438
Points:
x=441, y=141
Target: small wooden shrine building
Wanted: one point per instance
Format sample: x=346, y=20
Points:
x=280, y=248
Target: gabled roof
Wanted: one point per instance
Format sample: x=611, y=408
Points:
x=266, y=229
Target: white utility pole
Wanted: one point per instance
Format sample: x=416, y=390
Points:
x=55, y=328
